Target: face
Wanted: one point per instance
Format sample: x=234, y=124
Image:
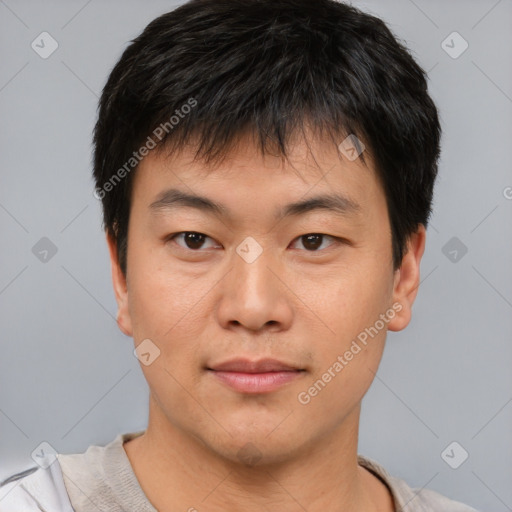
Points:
x=289, y=261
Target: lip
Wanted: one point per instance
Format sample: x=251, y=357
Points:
x=242, y=365
x=261, y=376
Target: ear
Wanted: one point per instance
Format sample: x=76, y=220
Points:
x=120, y=289
x=407, y=280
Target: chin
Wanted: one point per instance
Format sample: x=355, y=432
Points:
x=256, y=449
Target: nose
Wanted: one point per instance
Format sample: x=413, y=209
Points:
x=255, y=295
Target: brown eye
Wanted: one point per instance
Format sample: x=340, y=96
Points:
x=312, y=241
x=194, y=240
x=191, y=239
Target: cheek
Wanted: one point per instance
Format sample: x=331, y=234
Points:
x=354, y=297
x=339, y=392
x=346, y=363
x=352, y=306
x=163, y=301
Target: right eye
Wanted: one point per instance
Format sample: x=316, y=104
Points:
x=192, y=240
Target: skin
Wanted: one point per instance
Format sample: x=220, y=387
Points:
x=296, y=302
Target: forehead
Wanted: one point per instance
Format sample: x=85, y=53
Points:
x=245, y=177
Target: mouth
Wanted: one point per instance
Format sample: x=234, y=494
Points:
x=252, y=377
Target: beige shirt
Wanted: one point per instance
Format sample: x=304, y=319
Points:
x=102, y=479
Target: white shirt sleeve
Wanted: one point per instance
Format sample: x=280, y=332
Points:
x=42, y=490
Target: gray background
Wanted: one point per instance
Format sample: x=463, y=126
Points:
x=68, y=375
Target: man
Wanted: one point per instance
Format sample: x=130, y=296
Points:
x=266, y=171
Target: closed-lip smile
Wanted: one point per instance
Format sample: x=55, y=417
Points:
x=262, y=376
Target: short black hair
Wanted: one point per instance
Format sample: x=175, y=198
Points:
x=212, y=70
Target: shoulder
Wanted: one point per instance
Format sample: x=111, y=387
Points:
x=52, y=485
x=409, y=499
x=34, y=490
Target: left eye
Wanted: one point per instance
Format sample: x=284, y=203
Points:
x=312, y=241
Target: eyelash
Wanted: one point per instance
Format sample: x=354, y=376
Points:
x=323, y=235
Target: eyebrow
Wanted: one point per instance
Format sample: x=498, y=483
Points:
x=173, y=198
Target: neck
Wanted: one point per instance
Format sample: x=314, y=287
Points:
x=177, y=471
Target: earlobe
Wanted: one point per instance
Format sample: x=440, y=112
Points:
x=407, y=280
x=120, y=289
